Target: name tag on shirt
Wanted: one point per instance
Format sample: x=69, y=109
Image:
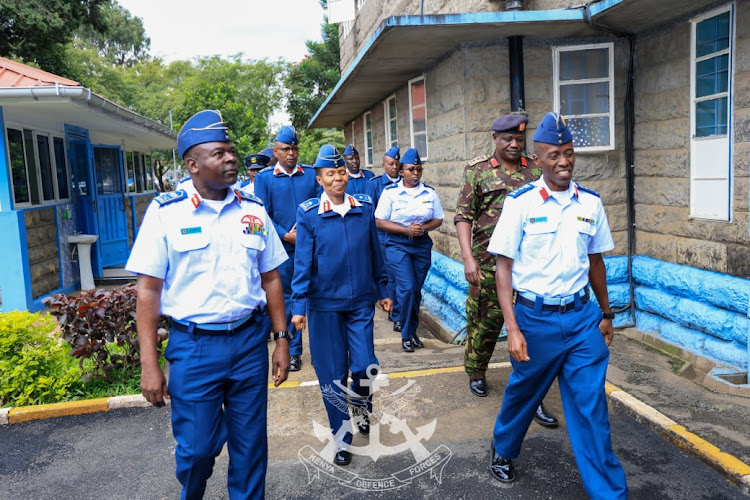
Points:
x=191, y=230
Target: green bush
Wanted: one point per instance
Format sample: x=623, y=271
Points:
x=35, y=365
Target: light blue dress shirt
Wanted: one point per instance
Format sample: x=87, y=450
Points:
x=405, y=206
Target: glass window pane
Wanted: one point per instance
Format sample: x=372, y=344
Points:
x=107, y=171
x=420, y=142
x=581, y=99
x=18, y=166
x=420, y=124
x=581, y=64
x=45, y=166
x=149, y=173
x=712, y=35
x=589, y=132
x=712, y=76
x=417, y=93
x=28, y=139
x=711, y=117
x=140, y=173
x=61, y=164
x=130, y=171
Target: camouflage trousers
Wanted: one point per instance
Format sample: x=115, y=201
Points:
x=484, y=321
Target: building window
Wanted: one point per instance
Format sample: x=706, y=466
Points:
x=584, y=93
x=368, y=138
x=418, y=116
x=391, y=125
x=711, y=78
x=139, y=174
x=38, y=167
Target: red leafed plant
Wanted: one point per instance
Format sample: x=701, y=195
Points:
x=95, y=318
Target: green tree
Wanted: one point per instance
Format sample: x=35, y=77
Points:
x=123, y=41
x=36, y=31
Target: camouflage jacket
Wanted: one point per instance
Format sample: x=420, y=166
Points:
x=486, y=183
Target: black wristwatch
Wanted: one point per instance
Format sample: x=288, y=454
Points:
x=609, y=315
x=284, y=334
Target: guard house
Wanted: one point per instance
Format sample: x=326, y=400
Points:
x=71, y=162
x=657, y=96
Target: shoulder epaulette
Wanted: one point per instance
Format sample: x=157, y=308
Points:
x=587, y=190
x=523, y=189
x=309, y=204
x=305, y=166
x=392, y=185
x=266, y=170
x=375, y=177
x=479, y=159
x=363, y=198
x=249, y=196
x=184, y=179
x=245, y=183
x=428, y=186
x=167, y=198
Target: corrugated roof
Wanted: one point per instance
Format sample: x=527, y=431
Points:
x=15, y=74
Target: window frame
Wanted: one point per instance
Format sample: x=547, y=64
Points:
x=389, y=143
x=368, y=147
x=422, y=155
x=610, y=79
x=35, y=169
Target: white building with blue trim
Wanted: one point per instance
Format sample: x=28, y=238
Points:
x=71, y=161
x=657, y=96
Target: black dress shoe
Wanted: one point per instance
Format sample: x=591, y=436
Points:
x=295, y=363
x=479, y=387
x=390, y=315
x=545, y=418
x=407, y=345
x=417, y=341
x=397, y=326
x=342, y=457
x=501, y=468
x=363, y=424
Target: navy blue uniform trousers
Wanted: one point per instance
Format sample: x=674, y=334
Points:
x=342, y=342
x=396, y=311
x=218, y=385
x=571, y=347
x=409, y=261
x=286, y=273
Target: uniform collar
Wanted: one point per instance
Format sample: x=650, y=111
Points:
x=277, y=170
x=326, y=203
x=418, y=189
x=544, y=193
x=196, y=200
x=388, y=180
x=358, y=175
x=495, y=163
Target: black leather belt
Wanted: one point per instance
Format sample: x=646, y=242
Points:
x=553, y=307
x=226, y=329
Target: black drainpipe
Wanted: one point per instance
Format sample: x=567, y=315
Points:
x=629, y=108
x=517, y=95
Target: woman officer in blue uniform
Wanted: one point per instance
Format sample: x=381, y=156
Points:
x=338, y=276
x=407, y=210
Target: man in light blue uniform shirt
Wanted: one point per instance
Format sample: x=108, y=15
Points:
x=406, y=212
x=338, y=276
x=549, y=242
x=357, y=177
x=282, y=188
x=206, y=256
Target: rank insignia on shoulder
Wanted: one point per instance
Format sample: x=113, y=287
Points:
x=167, y=198
x=363, y=198
x=479, y=159
x=248, y=196
x=392, y=185
x=309, y=204
x=267, y=169
x=588, y=190
x=523, y=189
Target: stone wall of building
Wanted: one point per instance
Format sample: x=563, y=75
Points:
x=41, y=241
x=374, y=12
x=662, y=189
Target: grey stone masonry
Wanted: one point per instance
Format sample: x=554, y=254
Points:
x=41, y=241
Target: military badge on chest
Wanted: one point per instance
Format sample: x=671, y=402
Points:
x=253, y=225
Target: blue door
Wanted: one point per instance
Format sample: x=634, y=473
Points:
x=81, y=160
x=109, y=206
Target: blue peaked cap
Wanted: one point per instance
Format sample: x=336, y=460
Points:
x=350, y=150
x=553, y=130
x=204, y=126
x=268, y=152
x=394, y=153
x=411, y=157
x=287, y=135
x=328, y=157
x=256, y=161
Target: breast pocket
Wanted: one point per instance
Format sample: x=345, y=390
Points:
x=488, y=186
x=586, y=227
x=538, y=238
x=192, y=248
x=254, y=243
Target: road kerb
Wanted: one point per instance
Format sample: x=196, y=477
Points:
x=4, y=416
x=730, y=466
x=26, y=413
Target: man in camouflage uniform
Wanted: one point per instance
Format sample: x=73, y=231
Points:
x=487, y=181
